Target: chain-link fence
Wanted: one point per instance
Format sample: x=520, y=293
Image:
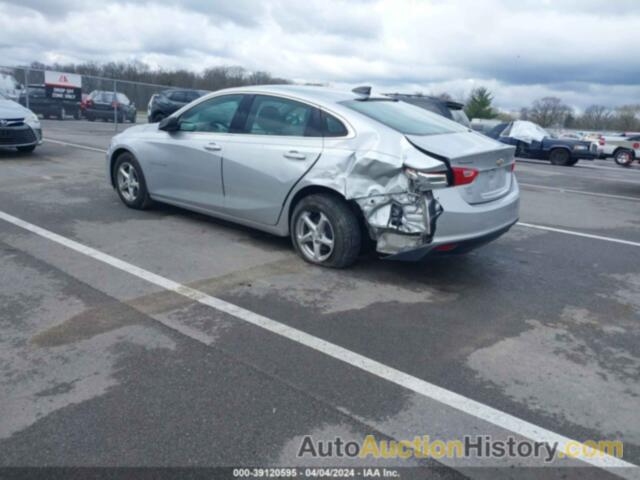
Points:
x=66, y=96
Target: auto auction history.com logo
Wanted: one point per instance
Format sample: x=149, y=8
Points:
x=477, y=446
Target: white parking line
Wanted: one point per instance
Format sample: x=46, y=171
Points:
x=579, y=234
x=579, y=192
x=76, y=145
x=373, y=367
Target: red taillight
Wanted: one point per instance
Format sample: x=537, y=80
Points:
x=115, y=104
x=464, y=176
x=513, y=166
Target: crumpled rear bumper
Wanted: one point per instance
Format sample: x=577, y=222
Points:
x=457, y=228
x=461, y=247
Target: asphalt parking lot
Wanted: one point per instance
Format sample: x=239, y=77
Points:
x=100, y=366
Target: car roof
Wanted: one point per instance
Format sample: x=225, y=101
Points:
x=311, y=94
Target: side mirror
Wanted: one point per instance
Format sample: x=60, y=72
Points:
x=169, y=124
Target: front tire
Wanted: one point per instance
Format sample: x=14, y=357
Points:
x=624, y=158
x=130, y=183
x=561, y=157
x=61, y=113
x=325, y=231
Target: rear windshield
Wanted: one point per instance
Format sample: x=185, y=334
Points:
x=461, y=117
x=405, y=118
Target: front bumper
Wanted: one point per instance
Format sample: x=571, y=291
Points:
x=20, y=136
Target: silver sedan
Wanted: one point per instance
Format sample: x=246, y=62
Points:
x=335, y=170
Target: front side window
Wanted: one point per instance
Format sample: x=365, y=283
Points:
x=278, y=116
x=214, y=115
x=405, y=118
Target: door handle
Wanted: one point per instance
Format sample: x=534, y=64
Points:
x=295, y=155
x=212, y=147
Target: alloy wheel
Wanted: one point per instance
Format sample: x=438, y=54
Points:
x=128, y=183
x=315, y=236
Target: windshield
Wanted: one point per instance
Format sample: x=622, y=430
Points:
x=405, y=118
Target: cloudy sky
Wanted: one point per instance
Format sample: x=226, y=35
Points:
x=584, y=51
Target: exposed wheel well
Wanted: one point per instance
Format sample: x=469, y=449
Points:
x=314, y=189
x=631, y=151
x=114, y=158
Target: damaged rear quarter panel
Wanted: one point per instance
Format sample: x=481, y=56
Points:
x=368, y=169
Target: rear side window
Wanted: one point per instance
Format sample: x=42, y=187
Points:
x=404, y=118
x=191, y=96
x=332, y=127
x=178, y=97
x=278, y=116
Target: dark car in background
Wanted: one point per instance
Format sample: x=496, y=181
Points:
x=43, y=104
x=533, y=141
x=163, y=104
x=447, y=108
x=105, y=105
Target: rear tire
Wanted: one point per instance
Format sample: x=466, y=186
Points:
x=624, y=158
x=130, y=183
x=561, y=157
x=325, y=231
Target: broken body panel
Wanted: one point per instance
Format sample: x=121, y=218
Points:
x=404, y=214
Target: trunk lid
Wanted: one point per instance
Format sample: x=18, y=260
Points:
x=492, y=159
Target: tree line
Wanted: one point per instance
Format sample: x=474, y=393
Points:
x=553, y=112
x=211, y=78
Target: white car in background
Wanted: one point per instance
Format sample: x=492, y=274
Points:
x=624, y=149
x=19, y=127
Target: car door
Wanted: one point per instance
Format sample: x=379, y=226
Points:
x=185, y=166
x=260, y=167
